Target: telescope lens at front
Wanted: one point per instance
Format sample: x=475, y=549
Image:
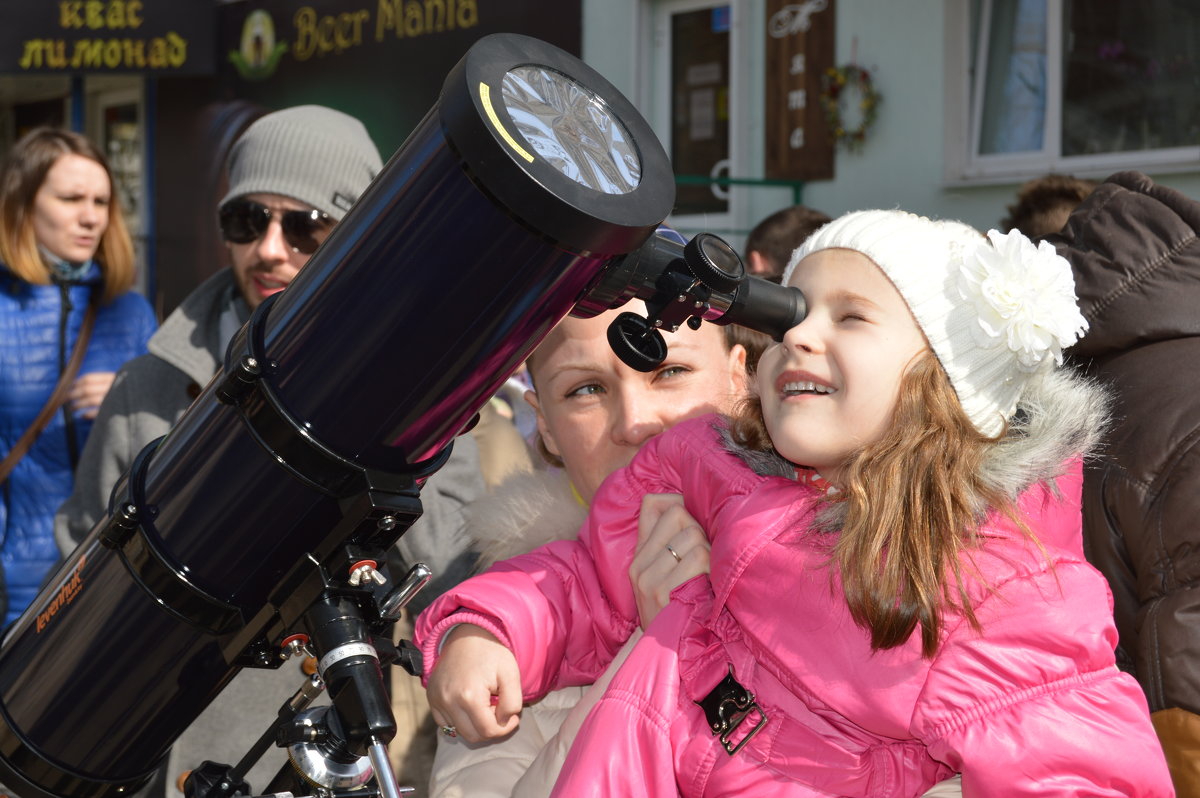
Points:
x=572, y=129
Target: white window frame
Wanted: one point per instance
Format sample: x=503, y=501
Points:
x=659, y=58
x=962, y=121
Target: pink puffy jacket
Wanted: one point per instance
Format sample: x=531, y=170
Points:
x=1032, y=706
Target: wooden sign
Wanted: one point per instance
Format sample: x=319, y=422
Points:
x=799, y=48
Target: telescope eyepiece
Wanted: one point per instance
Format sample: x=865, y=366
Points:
x=702, y=280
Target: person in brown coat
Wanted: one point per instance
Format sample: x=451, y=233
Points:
x=1134, y=247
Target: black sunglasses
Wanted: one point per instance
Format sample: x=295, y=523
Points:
x=243, y=221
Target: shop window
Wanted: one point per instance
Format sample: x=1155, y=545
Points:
x=1080, y=86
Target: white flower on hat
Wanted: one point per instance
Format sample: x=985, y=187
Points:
x=1023, y=295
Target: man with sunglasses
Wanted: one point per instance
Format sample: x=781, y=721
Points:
x=293, y=175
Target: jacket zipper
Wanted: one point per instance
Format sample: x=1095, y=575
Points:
x=68, y=417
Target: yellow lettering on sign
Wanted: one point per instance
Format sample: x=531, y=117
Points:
x=328, y=34
x=112, y=53
x=115, y=17
x=306, y=34
x=164, y=52
x=468, y=14
x=135, y=53
x=87, y=54
x=133, y=13
x=176, y=49
x=32, y=57
x=414, y=20
x=94, y=12
x=69, y=14
x=158, y=54
x=420, y=17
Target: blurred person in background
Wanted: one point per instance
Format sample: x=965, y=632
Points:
x=770, y=245
x=1044, y=203
x=68, y=321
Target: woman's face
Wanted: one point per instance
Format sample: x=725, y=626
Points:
x=830, y=386
x=70, y=209
x=595, y=412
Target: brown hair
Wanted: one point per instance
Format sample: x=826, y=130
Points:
x=24, y=173
x=913, y=504
x=1043, y=204
x=777, y=236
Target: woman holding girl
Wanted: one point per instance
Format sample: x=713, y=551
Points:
x=897, y=587
x=68, y=320
x=593, y=414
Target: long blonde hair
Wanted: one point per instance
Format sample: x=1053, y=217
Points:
x=24, y=172
x=913, y=503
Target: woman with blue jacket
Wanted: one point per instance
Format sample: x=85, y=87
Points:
x=64, y=247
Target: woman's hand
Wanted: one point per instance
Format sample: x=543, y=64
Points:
x=475, y=688
x=88, y=391
x=672, y=548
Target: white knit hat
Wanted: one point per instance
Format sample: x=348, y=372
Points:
x=313, y=154
x=997, y=311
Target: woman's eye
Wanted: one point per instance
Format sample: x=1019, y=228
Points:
x=673, y=371
x=586, y=390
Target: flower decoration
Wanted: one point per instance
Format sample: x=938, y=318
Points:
x=1024, y=297
x=833, y=89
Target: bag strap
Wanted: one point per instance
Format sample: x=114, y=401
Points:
x=57, y=397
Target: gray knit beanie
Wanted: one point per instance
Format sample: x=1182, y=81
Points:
x=312, y=154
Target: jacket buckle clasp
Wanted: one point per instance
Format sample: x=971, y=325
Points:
x=726, y=707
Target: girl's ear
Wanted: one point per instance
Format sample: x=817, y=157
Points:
x=543, y=428
x=737, y=369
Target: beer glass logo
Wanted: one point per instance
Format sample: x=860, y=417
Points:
x=259, y=53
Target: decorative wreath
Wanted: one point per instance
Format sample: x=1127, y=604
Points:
x=833, y=83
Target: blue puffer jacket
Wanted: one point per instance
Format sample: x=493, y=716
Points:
x=38, y=328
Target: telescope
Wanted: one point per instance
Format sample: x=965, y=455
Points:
x=257, y=528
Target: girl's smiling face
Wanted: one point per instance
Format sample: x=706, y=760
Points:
x=830, y=386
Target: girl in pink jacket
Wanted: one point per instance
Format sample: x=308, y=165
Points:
x=897, y=589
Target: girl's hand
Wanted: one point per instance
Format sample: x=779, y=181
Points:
x=88, y=391
x=475, y=688
x=664, y=526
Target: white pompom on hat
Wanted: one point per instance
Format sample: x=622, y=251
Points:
x=997, y=311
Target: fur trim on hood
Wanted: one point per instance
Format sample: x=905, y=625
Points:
x=523, y=512
x=1060, y=417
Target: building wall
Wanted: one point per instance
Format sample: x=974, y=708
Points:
x=903, y=42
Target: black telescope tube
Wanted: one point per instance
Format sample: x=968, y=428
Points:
x=477, y=237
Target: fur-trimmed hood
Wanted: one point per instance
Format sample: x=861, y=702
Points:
x=1060, y=417
x=523, y=512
